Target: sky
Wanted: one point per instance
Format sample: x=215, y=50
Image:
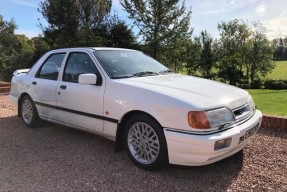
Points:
x=206, y=14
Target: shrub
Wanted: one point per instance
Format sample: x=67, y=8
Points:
x=275, y=84
x=244, y=86
x=257, y=84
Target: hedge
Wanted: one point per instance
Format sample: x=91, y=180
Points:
x=275, y=84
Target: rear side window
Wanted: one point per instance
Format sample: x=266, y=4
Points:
x=78, y=63
x=50, y=69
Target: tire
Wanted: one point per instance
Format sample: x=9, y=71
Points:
x=29, y=112
x=145, y=143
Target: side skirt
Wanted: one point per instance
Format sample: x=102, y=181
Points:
x=100, y=133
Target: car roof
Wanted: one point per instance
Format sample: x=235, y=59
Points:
x=93, y=48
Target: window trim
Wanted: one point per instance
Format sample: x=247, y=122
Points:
x=99, y=76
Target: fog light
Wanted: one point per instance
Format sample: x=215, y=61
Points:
x=222, y=144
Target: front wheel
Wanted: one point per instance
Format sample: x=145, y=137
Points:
x=145, y=143
x=29, y=112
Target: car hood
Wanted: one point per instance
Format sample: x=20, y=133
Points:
x=198, y=92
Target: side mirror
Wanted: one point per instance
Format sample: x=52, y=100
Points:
x=87, y=79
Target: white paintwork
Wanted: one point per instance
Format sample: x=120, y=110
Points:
x=168, y=98
x=85, y=98
x=88, y=79
x=45, y=92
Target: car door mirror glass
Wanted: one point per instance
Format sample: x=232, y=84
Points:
x=87, y=79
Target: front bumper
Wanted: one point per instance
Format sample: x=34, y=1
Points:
x=195, y=150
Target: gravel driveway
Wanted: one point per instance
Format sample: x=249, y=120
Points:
x=56, y=158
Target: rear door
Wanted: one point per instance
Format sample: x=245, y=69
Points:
x=80, y=105
x=45, y=85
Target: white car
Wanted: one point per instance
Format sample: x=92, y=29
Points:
x=157, y=116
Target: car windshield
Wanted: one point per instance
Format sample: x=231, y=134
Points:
x=129, y=63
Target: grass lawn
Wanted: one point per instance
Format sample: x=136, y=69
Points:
x=280, y=71
x=271, y=102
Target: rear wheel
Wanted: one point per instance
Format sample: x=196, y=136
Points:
x=145, y=142
x=29, y=112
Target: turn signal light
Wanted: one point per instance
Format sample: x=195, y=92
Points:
x=198, y=120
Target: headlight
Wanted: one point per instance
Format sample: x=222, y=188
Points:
x=251, y=103
x=210, y=119
x=220, y=117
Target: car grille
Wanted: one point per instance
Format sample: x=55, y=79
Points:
x=243, y=112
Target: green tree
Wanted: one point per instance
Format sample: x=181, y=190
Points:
x=280, y=52
x=260, y=60
x=245, y=53
x=41, y=47
x=174, y=55
x=92, y=15
x=17, y=51
x=24, y=56
x=93, y=12
x=207, y=59
x=63, y=21
x=116, y=33
x=161, y=24
x=233, y=38
x=73, y=23
x=193, y=55
x=8, y=42
x=119, y=35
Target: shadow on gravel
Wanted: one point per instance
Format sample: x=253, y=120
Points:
x=217, y=176
x=57, y=158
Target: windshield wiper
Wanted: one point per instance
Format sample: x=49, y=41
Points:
x=144, y=73
x=166, y=71
x=122, y=77
x=139, y=74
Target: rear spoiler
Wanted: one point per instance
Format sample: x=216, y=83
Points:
x=20, y=71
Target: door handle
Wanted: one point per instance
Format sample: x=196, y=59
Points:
x=34, y=82
x=63, y=87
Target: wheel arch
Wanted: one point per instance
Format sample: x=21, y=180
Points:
x=121, y=126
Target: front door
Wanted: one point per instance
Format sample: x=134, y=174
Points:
x=80, y=105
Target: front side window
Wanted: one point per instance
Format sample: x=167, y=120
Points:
x=50, y=69
x=77, y=64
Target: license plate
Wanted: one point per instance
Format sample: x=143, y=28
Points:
x=251, y=131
